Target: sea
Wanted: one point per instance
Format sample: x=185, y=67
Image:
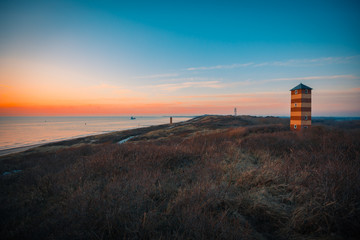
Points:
x=18, y=132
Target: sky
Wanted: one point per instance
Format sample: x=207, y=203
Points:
x=177, y=57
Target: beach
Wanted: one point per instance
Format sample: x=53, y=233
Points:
x=22, y=133
x=17, y=150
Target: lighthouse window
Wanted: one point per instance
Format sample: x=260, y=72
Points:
x=306, y=91
x=295, y=91
x=295, y=126
x=295, y=104
x=306, y=118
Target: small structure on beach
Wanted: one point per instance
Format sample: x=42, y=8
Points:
x=300, y=114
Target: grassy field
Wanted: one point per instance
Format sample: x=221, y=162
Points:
x=213, y=177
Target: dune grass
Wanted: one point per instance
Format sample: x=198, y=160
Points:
x=252, y=180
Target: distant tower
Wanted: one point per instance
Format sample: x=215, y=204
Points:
x=235, y=112
x=300, y=116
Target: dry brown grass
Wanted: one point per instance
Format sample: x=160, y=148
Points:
x=256, y=181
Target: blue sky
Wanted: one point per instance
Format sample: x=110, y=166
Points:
x=180, y=56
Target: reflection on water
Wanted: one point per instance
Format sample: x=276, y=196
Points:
x=24, y=131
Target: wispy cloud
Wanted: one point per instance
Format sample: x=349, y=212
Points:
x=103, y=86
x=353, y=91
x=181, y=85
x=326, y=77
x=307, y=78
x=196, y=82
x=110, y=91
x=237, y=96
x=164, y=75
x=307, y=62
x=291, y=62
x=235, y=65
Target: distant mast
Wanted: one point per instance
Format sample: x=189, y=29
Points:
x=300, y=110
x=235, y=112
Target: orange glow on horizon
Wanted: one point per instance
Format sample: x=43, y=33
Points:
x=25, y=90
x=249, y=103
x=131, y=109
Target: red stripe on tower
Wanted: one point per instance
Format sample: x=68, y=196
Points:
x=300, y=107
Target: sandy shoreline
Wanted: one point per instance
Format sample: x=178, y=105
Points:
x=113, y=136
x=85, y=137
x=8, y=151
x=19, y=149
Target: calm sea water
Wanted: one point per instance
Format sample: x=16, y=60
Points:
x=27, y=131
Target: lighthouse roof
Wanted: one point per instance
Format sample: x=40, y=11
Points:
x=301, y=86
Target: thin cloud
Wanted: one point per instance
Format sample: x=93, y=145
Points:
x=302, y=62
x=112, y=90
x=291, y=62
x=235, y=65
x=238, y=95
x=201, y=82
x=177, y=86
x=311, y=78
x=104, y=86
x=165, y=75
x=346, y=92
x=321, y=78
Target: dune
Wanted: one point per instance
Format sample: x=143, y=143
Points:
x=212, y=177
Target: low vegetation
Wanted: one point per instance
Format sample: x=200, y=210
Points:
x=210, y=178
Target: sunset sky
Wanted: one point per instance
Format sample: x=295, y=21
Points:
x=177, y=57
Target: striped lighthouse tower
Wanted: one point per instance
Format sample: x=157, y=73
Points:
x=300, y=116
